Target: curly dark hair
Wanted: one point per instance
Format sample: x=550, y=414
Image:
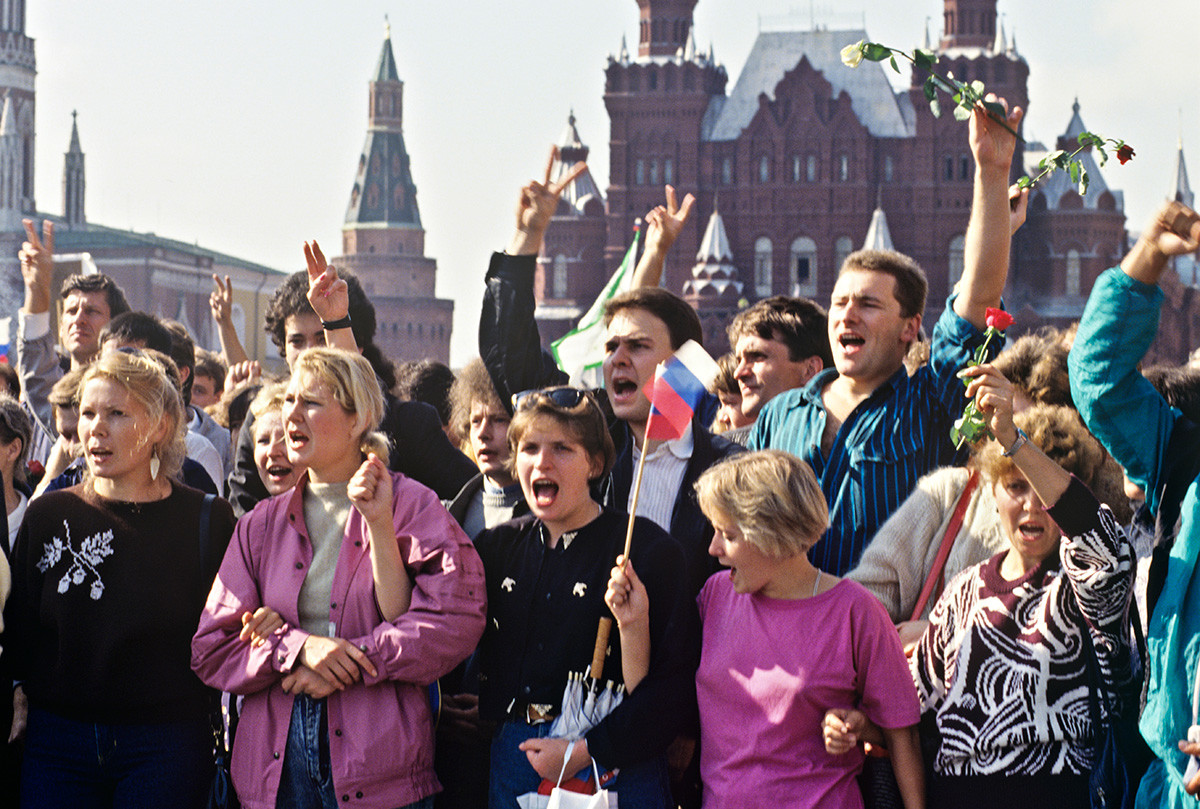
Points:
x=427, y=381
x=473, y=384
x=291, y=298
x=1058, y=432
x=1179, y=385
x=1037, y=364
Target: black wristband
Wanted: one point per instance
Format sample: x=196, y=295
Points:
x=334, y=325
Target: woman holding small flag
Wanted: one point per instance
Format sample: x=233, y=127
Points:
x=547, y=574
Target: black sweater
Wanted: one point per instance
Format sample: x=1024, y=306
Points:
x=106, y=597
x=544, y=606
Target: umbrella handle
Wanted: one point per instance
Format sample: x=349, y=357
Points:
x=601, y=648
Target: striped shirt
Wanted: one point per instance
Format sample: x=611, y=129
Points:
x=662, y=478
x=893, y=437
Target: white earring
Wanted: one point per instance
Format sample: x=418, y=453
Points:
x=154, y=464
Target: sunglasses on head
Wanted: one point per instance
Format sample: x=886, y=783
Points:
x=565, y=398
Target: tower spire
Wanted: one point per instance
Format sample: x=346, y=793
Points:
x=386, y=69
x=384, y=192
x=383, y=242
x=1183, y=190
x=73, y=178
x=10, y=167
x=879, y=237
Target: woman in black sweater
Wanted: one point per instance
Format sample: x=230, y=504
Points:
x=108, y=584
x=546, y=579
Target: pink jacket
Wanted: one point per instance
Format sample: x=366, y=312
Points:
x=380, y=729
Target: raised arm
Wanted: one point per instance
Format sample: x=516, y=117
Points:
x=37, y=266
x=509, y=342
x=1174, y=231
x=221, y=304
x=626, y=598
x=370, y=491
x=1117, y=404
x=329, y=297
x=445, y=619
x=662, y=706
x=993, y=394
x=37, y=361
x=663, y=226
x=535, y=207
x=985, y=267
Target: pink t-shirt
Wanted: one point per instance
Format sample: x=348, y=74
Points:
x=769, y=670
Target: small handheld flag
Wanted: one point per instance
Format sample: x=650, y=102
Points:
x=678, y=386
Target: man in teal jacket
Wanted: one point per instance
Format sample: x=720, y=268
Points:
x=1160, y=450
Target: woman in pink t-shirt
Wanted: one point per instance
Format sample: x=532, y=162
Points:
x=783, y=644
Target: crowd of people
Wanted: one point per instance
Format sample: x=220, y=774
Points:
x=397, y=586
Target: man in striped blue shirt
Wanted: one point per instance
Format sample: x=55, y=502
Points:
x=867, y=428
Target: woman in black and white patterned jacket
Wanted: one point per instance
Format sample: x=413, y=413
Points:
x=1002, y=669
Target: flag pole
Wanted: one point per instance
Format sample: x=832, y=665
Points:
x=637, y=490
x=600, y=650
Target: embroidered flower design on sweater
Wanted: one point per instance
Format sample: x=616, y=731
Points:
x=84, y=561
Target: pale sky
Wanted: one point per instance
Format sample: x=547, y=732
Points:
x=238, y=125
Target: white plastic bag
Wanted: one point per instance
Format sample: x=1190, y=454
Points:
x=565, y=799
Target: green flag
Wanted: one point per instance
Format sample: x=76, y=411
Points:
x=580, y=353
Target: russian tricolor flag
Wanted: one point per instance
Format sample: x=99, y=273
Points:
x=678, y=386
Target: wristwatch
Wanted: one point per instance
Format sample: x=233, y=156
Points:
x=1021, y=440
x=334, y=325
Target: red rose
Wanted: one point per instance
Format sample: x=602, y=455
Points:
x=998, y=319
x=1125, y=153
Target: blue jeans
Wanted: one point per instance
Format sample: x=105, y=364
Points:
x=307, y=779
x=642, y=786
x=83, y=765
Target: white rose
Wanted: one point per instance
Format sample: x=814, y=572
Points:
x=852, y=55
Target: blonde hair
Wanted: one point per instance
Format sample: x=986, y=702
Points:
x=65, y=392
x=268, y=399
x=354, y=386
x=772, y=496
x=149, y=382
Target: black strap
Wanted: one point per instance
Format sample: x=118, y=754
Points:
x=1095, y=679
x=205, y=530
x=207, y=575
x=1096, y=674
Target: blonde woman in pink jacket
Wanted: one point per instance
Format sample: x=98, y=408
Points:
x=336, y=605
